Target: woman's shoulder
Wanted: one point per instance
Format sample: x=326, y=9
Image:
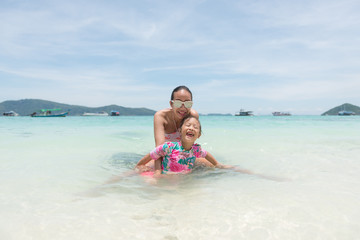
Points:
x=163, y=113
x=194, y=113
x=162, y=117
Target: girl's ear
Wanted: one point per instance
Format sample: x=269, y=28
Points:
x=170, y=103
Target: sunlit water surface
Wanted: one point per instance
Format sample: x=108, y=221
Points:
x=52, y=171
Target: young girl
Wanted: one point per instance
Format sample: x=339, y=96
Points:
x=179, y=157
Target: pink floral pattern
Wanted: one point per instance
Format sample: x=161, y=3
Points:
x=176, y=158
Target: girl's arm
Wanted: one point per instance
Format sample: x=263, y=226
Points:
x=156, y=154
x=214, y=162
x=140, y=166
x=211, y=159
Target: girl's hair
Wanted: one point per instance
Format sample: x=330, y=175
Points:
x=187, y=118
x=178, y=89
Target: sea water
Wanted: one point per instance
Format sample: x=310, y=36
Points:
x=52, y=172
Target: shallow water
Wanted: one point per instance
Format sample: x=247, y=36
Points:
x=52, y=171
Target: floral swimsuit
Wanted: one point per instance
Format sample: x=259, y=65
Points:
x=176, y=158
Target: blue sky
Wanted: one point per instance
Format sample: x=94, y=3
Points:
x=266, y=55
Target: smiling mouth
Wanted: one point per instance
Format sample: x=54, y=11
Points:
x=182, y=112
x=190, y=134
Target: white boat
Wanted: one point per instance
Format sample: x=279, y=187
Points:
x=103, y=114
x=10, y=114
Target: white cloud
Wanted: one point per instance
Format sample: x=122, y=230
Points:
x=274, y=51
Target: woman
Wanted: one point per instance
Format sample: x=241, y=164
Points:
x=167, y=121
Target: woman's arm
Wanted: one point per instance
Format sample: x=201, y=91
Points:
x=159, y=131
x=159, y=128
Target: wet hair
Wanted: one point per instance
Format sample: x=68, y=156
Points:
x=187, y=118
x=178, y=89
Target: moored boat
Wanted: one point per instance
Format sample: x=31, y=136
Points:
x=10, y=114
x=103, y=114
x=346, y=113
x=115, y=113
x=49, y=113
x=244, y=113
x=281, y=114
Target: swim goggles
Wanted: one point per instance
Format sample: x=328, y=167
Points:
x=178, y=103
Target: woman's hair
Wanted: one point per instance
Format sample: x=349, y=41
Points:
x=178, y=89
x=187, y=118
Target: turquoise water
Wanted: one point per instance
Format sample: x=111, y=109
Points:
x=52, y=171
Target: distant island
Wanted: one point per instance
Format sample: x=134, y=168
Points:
x=344, y=107
x=25, y=107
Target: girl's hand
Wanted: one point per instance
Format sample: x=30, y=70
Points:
x=143, y=168
x=224, y=166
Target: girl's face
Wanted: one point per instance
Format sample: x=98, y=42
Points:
x=182, y=97
x=190, y=130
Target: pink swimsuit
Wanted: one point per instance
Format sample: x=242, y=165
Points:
x=173, y=137
x=175, y=158
x=169, y=137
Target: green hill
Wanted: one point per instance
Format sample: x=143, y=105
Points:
x=25, y=107
x=343, y=107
